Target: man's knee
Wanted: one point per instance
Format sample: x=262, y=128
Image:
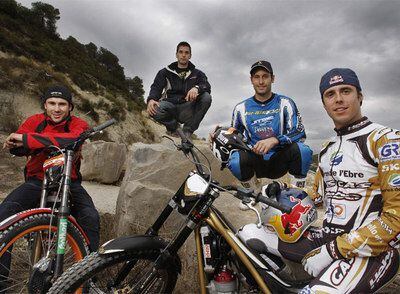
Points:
x=306, y=157
x=205, y=99
x=89, y=219
x=9, y=208
x=300, y=159
x=164, y=110
x=238, y=164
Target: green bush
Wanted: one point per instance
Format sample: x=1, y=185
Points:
x=88, y=108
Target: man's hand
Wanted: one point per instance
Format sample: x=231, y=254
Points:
x=152, y=107
x=192, y=94
x=13, y=140
x=263, y=146
x=211, y=136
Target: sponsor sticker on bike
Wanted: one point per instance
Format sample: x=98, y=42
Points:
x=62, y=236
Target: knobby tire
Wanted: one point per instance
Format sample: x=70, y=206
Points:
x=17, y=241
x=97, y=271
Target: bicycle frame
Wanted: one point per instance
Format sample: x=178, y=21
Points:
x=197, y=214
x=202, y=212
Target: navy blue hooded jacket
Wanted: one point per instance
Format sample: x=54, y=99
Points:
x=172, y=84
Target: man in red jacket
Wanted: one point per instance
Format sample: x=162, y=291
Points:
x=56, y=126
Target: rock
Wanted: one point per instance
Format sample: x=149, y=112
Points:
x=103, y=161
x=153, y=174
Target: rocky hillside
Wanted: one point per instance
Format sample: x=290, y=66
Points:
x=22, y=99
x=33, y=56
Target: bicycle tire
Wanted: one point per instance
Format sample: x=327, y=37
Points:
x=100, y=267
x=16, y=241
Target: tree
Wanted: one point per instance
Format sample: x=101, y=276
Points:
x=135, y=88
x=46, y=16
x=91, y=50
x=9, y=7
x=111, y=63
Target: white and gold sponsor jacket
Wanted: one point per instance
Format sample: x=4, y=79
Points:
x=359, y=181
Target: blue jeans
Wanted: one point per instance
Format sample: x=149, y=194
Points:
x=188, y=113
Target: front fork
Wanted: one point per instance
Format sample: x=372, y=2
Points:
x=64, y=211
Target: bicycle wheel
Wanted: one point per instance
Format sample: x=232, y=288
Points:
x=19, y=273
x=100, y=271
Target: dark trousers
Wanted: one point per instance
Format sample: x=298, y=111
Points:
x=188, y=113
x=294, y=158
x=27, y=196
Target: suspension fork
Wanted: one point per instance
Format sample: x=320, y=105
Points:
x=200, y=264
x=64, y=211
x=215, y=222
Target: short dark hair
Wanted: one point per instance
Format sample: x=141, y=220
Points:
x=185, y=44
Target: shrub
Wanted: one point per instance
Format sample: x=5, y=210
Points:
x=10, y=118
x=88, y=108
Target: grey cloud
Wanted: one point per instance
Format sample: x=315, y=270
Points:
x=302, y=39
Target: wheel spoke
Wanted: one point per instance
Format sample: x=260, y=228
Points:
x=17, y=273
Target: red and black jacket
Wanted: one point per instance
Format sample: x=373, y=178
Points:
x=40, y=131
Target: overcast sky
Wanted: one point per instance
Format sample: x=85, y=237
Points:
x=302, y=40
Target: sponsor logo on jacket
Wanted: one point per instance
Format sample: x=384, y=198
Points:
x=337, y=158
x=394, y=180
x=390, y=151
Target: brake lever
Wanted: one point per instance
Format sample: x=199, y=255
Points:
x=251, y=206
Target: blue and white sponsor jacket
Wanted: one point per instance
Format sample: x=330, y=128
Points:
x=278, y=117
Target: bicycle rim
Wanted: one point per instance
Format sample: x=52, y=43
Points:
x=19, y=248
x=133, y=282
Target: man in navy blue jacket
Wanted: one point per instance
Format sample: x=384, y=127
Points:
x=272, y=125
x=180, y=93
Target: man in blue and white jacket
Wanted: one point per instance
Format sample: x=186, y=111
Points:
x=272, y=125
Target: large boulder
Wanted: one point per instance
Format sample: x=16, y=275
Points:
x=154, y=172
x=103, y=161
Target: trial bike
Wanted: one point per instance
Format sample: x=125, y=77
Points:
x=150, y=264
x=37, y=244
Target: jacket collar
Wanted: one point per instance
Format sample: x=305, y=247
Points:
x=354, y=127
x=61, y=123
x=174, y=66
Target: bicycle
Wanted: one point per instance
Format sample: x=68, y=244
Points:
x=37, y=244
x=149, y=264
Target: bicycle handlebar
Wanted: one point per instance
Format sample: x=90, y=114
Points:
x=104, y=125
x=187, y=147
x=247, y=194
x=273, y=203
